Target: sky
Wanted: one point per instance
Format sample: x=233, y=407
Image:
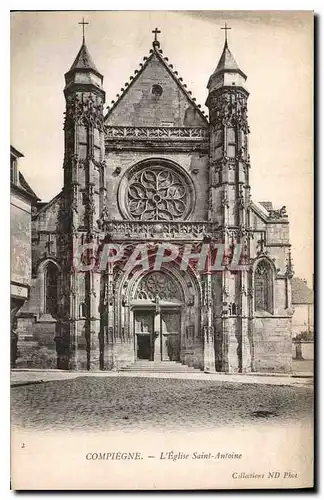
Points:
x=274, y=49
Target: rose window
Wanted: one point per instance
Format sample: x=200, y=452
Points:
x=158, y=193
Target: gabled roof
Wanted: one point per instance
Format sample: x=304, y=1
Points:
x=260, y=210
x=84, y=61
x=15, y=152
x=300, y=292
x=45, y=205
x=24, y=184
x=155, y=52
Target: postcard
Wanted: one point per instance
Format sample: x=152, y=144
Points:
x=162, y=331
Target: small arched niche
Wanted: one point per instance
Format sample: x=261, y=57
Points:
x=263, y=287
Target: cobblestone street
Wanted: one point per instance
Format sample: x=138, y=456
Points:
x=111, y=403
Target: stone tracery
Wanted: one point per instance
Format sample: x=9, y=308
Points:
x=157, y=193
x=158, y=284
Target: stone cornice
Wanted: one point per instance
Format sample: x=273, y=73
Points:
x=187, y=230
x=156, y=138
x=167, y=133
x=154, y=146
x=174, y=230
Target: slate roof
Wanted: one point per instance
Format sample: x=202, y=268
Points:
x=301, y=293
x=267, y=205
x=227, y=63
x=42, y=206
x=24, y=184
x=84, y=61
x=174, y=74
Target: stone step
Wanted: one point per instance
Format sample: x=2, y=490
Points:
x=159, y=367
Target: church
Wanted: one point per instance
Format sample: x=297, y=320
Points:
x=154, y=171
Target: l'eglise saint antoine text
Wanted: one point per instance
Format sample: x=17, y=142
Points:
x=163, y=455
x=179, y=455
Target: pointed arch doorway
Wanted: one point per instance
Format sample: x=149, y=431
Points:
x=157, y=318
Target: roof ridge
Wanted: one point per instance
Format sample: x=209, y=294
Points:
x=173, y=73
x=48, y=203
x=25, y=185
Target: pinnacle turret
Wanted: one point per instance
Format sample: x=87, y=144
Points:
x=83, y=72
x=227, y=72
x=84, y=61
x=227, y=61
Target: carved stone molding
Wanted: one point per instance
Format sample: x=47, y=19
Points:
x=241, y=198
x=156, y=133
x=289, y=266
x=229, y=108
x=85, y=109
x=158, y=284
x=207, y=294
x=147, y=230
x=225, y=202
x=278, y=214
x=208, y=334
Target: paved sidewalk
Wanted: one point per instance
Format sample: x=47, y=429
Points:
x=33, y=376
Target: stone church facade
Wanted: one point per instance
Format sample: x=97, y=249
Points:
x=155, y=170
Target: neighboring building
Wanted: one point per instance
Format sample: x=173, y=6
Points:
x=156, y=169
x=303, y=303
x=22, y=199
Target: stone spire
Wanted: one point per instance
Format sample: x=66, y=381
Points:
x=227, y=72
x=84, y=61
x=83, y=71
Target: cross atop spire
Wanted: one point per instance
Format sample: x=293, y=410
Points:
x=83, y=25
x=226, y=68
x=156, y=42
x=226, y=28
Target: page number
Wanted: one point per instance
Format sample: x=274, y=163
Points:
x=23, y=445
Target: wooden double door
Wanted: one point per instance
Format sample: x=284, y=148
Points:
x=157, y=335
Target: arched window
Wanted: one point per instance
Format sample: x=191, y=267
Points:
x=263, y=287
x=51, y=289
x=82, y=310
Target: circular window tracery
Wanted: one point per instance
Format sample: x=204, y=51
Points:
x=158, y=284
x=157, y=90
x=157, y=192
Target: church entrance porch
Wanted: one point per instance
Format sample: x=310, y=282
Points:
x=157, y=335
x=156, y=320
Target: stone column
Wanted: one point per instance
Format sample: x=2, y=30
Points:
x=74, y=362
x=95, y=321
x=208, y=328
x=156, y=337
x=41, y=284
x=110, y=360
x=246, y=349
